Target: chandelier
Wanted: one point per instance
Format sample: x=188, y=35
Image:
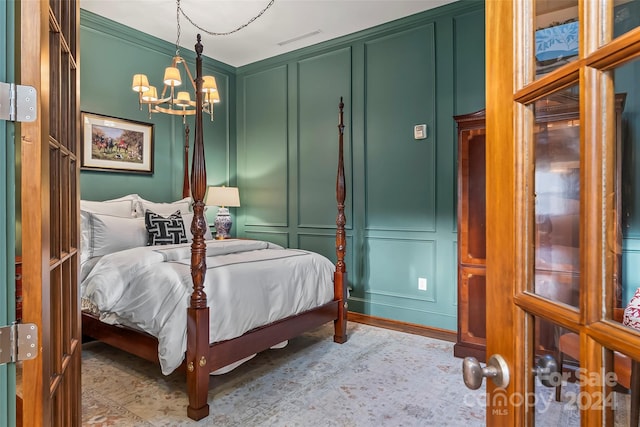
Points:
x=175, y=98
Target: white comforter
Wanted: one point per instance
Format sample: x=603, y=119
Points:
x=248, y=284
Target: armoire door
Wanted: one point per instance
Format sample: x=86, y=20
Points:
x=49, y=56
x=557, y=202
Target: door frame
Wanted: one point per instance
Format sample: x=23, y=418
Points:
x=7, y=227
x=509, y=66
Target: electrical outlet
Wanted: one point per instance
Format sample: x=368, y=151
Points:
x=422, y=283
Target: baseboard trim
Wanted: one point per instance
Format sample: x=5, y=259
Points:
x=410, y=328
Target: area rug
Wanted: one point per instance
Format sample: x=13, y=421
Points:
x=378, y=378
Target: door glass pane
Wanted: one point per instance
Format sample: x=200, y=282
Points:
x=557, y=196
x=556, y=394
x=560, y=396
x=626, y=16
x=620, y=377
x=556, y=34
x=623, y=240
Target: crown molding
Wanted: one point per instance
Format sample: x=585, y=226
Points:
x=100, y=24
x=419, y=19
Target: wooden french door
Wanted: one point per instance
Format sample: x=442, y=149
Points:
x=561, y=197
x=49, y=57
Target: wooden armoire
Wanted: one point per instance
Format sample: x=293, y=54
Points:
x=471, y=338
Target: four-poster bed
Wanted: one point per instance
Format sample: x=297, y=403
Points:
x=202, y=356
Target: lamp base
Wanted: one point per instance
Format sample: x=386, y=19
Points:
x=223, y=224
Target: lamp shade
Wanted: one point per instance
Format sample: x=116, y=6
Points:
x=212, y=98
x=209, y=84
x=223, y=196
x=172, y=76
x=140, y=83
x=183, y=98
x=150, y=95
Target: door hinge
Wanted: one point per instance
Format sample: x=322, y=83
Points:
x=18, y=342
x=18, y=102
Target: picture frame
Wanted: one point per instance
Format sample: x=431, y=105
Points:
x=556, y=45
x=112, y=144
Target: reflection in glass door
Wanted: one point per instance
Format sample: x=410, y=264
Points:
x=559, y=395
x=557, y=196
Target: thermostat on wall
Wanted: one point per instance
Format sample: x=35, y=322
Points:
x=420, y=132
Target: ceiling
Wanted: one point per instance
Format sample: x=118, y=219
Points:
x=298, y=23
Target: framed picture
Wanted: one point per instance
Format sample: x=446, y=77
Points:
x=116, y=145
x=556, y=45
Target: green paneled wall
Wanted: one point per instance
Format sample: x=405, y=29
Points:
x=111, y=53
x=277, y=128
x=400, y=93
x=264, y=152
x=317, y=135
x=626, y=81
x=626, y=78
x=400, y=191
x=468, y=47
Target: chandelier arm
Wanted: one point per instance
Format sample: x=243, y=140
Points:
x=212, y=33
x=168, y=103
x=191, y=79
x=159, y=109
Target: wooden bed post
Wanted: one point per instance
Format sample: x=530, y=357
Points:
x=198, y=312
x=340, y=275
x=185, y=178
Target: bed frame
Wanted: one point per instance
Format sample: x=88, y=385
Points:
x=201, y=356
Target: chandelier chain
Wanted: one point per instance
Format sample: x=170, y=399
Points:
x=178, y=22
x=213, y=33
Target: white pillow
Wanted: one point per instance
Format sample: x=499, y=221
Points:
x=108, y=234
x=135, y=201
x=85, y=236
x=164, y=209
x=132, y=196
x=122, y=208
x=187, y=219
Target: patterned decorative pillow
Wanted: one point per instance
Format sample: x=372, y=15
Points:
x=164, y=231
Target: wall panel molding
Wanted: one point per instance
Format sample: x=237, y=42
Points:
x=317, y=136
x=263, y=151
x=401, y=172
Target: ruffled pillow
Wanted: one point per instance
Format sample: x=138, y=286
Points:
x=632, y=312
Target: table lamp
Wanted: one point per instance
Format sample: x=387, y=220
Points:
x=223, y=197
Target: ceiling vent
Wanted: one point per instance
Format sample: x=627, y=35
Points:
x=295, y=39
